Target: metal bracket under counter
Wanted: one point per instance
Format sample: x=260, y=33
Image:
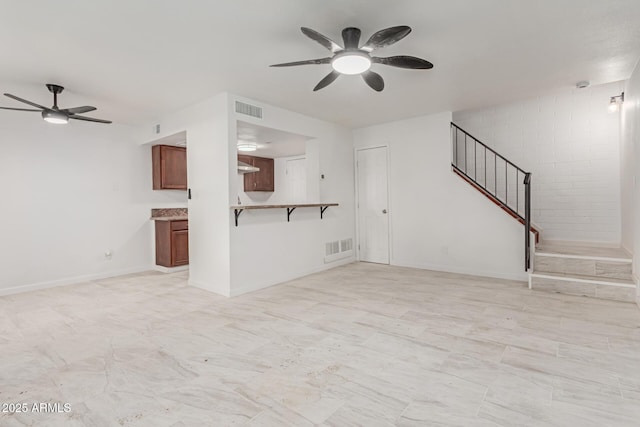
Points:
x=237, y=210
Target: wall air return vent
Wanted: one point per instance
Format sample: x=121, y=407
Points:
x=338, y=249
x=248, y=110
x=332, y=248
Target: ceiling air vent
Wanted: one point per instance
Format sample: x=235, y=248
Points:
x=248, y=110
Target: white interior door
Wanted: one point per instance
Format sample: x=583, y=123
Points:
x=296, y=172
x=373, y=217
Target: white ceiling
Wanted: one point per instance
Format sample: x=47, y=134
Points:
x=138, y=59
x=270, y=142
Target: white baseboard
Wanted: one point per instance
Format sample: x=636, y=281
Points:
x=218, y=290
x=72, y=280
x=340, y=255
x=170, y=269
x=286, y=278
x=524, y=277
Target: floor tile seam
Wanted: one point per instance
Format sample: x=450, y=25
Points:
x=598, y=410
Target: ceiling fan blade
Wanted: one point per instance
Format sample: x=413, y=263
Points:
x=374, y=80
x=79, y=110
x=351, y=37
x=307, y=62
x=329, y=78
x=323, y=40
x=19, y=109
x=89, y=119
x=33, y=104
x=404, y=61
x=386, y=37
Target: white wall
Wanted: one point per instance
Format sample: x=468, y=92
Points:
x=438, y=221
x=265, y=248
x=570, y=142
x=72, y=192
x=630, y=166
x=630, y=161
x=208, y=165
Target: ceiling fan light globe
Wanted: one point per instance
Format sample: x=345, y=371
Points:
x=351, y=63
x=55, y=117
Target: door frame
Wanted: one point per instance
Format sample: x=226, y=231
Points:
x=357, y=194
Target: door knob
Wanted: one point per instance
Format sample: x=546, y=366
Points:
x=384, y=211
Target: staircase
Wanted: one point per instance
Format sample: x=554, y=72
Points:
x=576, y=269
x=497, y=178
x=585, y=270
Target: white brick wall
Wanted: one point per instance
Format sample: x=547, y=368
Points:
x=571, y=144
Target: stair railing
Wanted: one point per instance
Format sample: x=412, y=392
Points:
x=496, y=176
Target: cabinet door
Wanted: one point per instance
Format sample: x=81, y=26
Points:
x=169, y=167
x=180, y=247
x=163, y=243
x=174, y=167
x=249, y=178
x=264, y=178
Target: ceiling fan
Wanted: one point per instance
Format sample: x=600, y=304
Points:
x=353, y=59
x=55, y=114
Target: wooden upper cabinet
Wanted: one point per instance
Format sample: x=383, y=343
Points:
x=264, y=180
x=169, y=167
x=258, y=181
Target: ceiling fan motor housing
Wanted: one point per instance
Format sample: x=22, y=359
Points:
x=55, y=89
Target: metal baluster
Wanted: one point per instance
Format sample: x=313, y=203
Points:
x=465, y=153
x=527, y=221
x=506, y=186
x=485, y=168
x=517, y=193
x=495, y=175
x=475, y=160
x=455, y=148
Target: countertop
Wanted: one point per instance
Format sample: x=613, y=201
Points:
x=169, y=214
x=293, y=205
x=170, y=218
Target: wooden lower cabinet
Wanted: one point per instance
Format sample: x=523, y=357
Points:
x=172, y=243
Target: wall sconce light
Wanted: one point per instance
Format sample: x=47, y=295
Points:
x=616, y=101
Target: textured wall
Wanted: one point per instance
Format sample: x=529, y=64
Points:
x=438, y=221
x=571, y=144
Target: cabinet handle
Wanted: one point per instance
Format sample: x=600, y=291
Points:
x=255, y=184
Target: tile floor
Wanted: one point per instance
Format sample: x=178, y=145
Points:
x=359, y=345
